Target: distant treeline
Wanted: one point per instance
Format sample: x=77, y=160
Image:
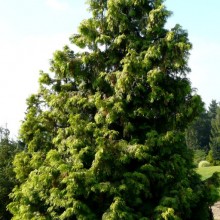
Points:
x=203, y=135
x=8, y=149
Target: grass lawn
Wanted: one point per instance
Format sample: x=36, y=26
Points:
x=207, y=172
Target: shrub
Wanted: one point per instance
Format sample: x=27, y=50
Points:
x=203, y=163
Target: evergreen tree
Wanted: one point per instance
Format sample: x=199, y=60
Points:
x=212, y=114
x=198, y=133
x=214, y=154
x=105, y=132
x=8, y=149
x=212, y=109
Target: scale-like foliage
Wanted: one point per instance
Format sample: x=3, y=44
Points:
x=105, y=132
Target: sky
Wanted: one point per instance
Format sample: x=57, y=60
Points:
x=31, y=30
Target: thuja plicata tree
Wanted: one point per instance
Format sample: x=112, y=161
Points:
x=105, y=132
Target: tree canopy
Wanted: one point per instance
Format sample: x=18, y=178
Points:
x=214, y=153
x=8, y=149
x=105, y=133
x=199, y=132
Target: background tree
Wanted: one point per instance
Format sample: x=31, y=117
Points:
x=198, y=133
x=212, y=109
x=212, y=114
x=8, y=149
x=198, y=137
x=214, y=154
x=105, y=133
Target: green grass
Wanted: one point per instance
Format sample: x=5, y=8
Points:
x=207, y=172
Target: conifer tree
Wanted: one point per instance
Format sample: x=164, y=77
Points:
x=105, y=132
x=198, y=133
x=8, y=149
x=214, y=154
x=212, y=109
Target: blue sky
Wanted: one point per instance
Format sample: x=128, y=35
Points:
x=201, y=19
x=31, y=30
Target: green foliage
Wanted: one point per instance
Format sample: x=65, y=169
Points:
x=105, y=134
x=199, y=155
x=210, y=157
x=8, y=149
x=212, y=110
x=214, y=154
x=199, y=132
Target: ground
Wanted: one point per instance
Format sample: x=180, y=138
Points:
x=216, y=210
